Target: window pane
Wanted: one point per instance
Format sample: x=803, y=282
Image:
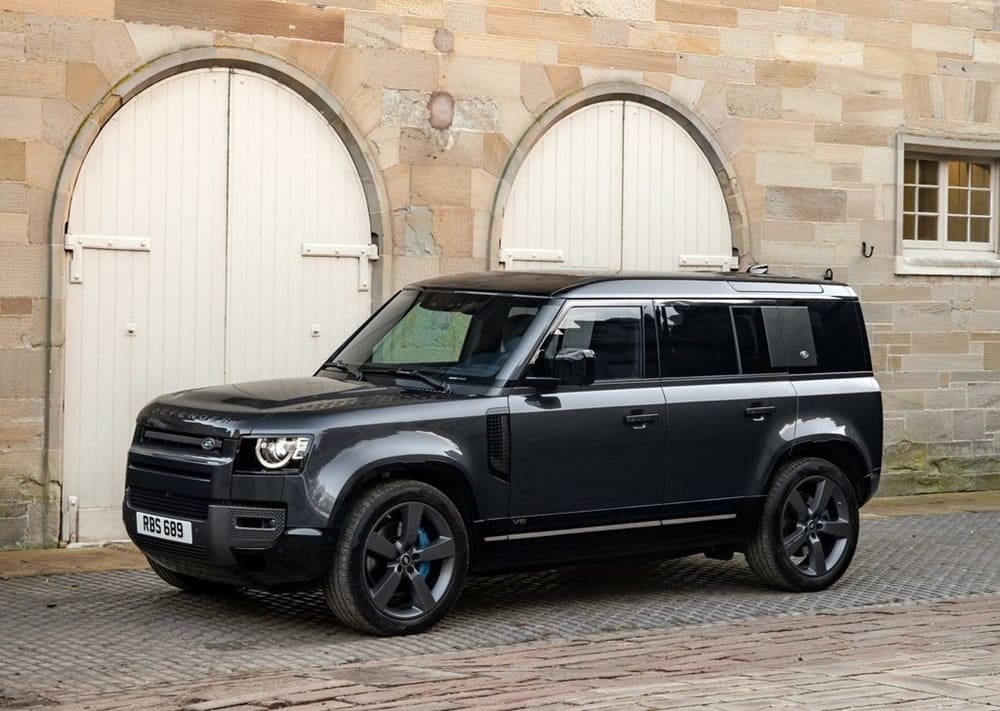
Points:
x=839, y=340
x=612, y=332
x=424, y=336
x=755, y=357
x=910, y=171
x=927, y=228
x=979, y=230
x=958, y=228
x=958, y=173
x=909, y=199
x=928, y=170
x=980, y=202
x=927, y=200
x=980, y=175
x=909, y=227
x=697, y=339
x=958, y=202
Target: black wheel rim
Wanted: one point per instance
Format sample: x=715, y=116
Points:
x=409, y=560
x=816, y=526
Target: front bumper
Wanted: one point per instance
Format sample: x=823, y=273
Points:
x=239, y=544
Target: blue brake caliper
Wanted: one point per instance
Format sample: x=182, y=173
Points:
x=423, y=540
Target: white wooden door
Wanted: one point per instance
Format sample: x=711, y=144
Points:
x=186, y=229
x=293, y=184
x=616, y=186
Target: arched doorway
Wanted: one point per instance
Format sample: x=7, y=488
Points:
x=616, y=185
x=219, y=232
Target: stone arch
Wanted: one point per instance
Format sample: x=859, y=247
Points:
x=700, y=133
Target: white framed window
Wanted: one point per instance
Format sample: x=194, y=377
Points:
x=947, y=218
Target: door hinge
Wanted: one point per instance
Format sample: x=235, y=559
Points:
x=364, y=253
x=76, y=244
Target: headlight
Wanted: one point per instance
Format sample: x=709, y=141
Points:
x=280, y=452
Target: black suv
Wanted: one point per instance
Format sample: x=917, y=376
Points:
x=486, y=422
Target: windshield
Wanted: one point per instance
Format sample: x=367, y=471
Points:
x=453, y=336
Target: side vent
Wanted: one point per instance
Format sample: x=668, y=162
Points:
x=498, y=445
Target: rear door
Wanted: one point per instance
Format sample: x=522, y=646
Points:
x=730, y=405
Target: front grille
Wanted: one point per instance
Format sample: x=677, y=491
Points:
x=498, y=444
x=174, y=550
x=156, y=502
x=176, y=440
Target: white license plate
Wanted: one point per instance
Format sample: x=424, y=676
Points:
x=170, y=529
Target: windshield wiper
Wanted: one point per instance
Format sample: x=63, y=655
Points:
x=343, y=368
x=435, y=383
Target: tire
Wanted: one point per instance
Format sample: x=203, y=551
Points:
x=808, y=530
x=188, y=584
x=383, y=579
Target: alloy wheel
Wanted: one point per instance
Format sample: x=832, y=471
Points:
x=816, y=526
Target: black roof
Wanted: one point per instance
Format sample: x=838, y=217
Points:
x=558, y=283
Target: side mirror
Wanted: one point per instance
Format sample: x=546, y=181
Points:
x=574, y=366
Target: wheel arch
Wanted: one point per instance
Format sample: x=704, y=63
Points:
x=443, y=474
x=845, y=454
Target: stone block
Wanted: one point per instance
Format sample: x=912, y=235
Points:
x=873, y=111
x=991, y=356
x=923, y=317
x=906, y=456
x=365, y=107
x=695, y=14
x=12, y=160
x=947, y=40
x=58, y=39
x=792, y=137
x=370, y=29
x=618, y=58
x=480, y=114
x=397, y=185
x=746, y=44
x=515, y=22
x=262, y=17
x=492, y=78
x=898, y=60
x=783, y=73
x=657, y=38
x=856, y=134
x=563, y=79
x=901, y=400
x=886, y=32
x=465, y=17
x=13, y=228
x=866, y=8
x=631, y=10
x=536, y=91
x=406, y=270
x=453, y=231
x=508, y=49
x=805, y=204
x=847, y=81
x=399, y=70
x=977, y=17
x=791, y=169
x=430, y=147
x=14, y=197
x=969, y=424
x=987, y=51
x=700, y=66
x=927, y=11
x=22, y=373
x=484, y=190
x=85, y=85
x=754, y=102
x=984, y=395
x=152, y=41
x=441, y=185
x=610, y=32
x=418, y=232
x=929, y=426
x=818, y=50
x=946, y=399
x=32, y=78
x=810, y=105
x=103, y=9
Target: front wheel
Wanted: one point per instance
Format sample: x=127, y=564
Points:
x=808, y=530
x=400, y=560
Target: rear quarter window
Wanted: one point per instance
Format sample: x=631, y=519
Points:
x=838, y=335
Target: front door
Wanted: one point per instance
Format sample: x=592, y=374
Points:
x=592, y=456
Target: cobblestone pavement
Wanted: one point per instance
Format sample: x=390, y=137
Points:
x=941, y=655
x=63, y=636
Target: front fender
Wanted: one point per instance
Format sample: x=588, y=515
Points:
x=332, y=486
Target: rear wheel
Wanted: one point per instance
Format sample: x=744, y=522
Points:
x=400, y=560
x=808, y=531
x=189, y=584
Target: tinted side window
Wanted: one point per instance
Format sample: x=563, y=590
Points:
x=840, y=342
x=614, y=333
x=755, y=354
x=696, y=339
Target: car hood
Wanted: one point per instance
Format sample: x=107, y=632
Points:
x=232, y=410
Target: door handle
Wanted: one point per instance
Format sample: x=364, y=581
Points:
x=639, y=420
x=759, y=412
